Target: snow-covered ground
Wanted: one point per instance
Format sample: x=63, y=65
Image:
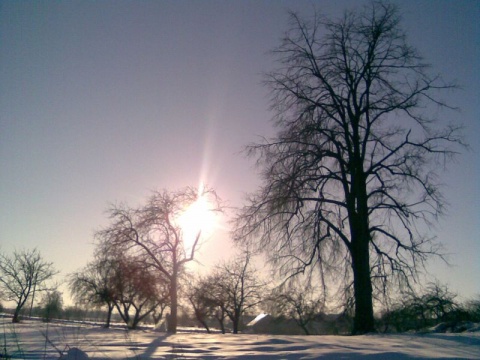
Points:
x=36, y=340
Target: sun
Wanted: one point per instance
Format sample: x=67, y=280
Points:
x=199, y=217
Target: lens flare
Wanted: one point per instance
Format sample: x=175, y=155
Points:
x=198, y=218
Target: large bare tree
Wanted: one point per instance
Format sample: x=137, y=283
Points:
x=153, y=234
x=351, y=174
x=23, y=274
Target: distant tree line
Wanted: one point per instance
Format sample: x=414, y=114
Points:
x=225, y=299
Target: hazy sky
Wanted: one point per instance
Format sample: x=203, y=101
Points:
x=103, y=101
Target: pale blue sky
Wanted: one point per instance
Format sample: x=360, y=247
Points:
x=103, y=101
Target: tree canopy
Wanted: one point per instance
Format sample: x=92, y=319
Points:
x=352, y=175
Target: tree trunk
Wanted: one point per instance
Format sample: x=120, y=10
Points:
x=124, y=314
x=199, y=315
x=158, y=317
x=172, y=321
x=16, y=317
x=236, y=321
x=205, y=325
x=136, y=319
x=363, y=321
x=109, y=315
x=220, y=316
x=305, y=329
x=235, y=326
x=21, y=302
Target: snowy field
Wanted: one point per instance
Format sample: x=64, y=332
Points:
x=37, y=340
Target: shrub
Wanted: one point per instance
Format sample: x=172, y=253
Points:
x=52, y=305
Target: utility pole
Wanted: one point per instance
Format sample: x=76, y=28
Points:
x=33, y=294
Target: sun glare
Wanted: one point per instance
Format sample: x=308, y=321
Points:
x=199, y=216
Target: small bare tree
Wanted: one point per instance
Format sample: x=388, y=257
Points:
x=352, y=172
x=298, y=303
x=92, y=285
x=23, y=274
x=199, y=297
x=237, y=289
x=138, y=291
x=215, y=296
x=123, y=283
